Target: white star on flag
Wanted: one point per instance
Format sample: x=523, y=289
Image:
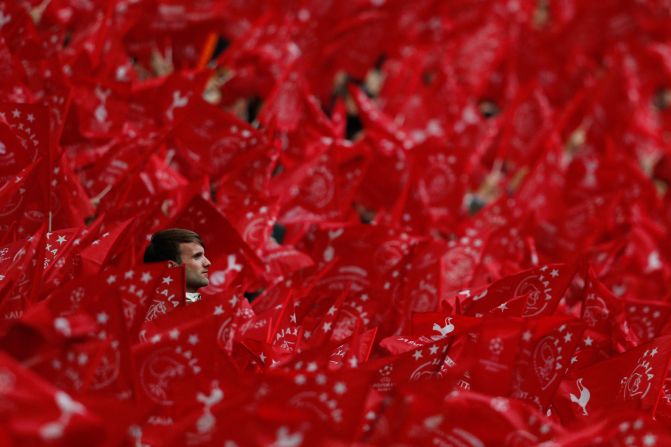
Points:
x=339, y=388
x=146, y=277
x=174, y=334
x=433, y=349
x=218, y=310
x=649, y=440
x=111, y=279
x=193, y=340
x=166, y=280
x=326, y=327
x=418, y=354
x=332, y=310
x=588, y=341
x=102, y=318
x=61, y=239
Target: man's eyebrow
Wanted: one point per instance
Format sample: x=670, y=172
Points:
x=198, y=254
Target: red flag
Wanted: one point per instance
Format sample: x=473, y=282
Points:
x=632, y=380
x=37, y=413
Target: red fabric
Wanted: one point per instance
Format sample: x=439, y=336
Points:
x=430, y=223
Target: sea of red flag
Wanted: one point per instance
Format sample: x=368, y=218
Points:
x=431, y=222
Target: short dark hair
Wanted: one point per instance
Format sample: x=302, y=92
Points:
x=164, y=245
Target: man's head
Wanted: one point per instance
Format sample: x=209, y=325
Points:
x=182, y=247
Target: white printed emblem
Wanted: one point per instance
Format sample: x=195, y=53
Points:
x=178, y=101
x=100, y=112
x=457, y=266
x=637, y=384
x=286, y=439
x=108, y=367
x=539, y=291
x=206, y=422
x=389, y=255
x=444, y=330
x=68, y=408
x=424, y=297
x=583, y=398
x=595, y=310
x=546, y=358
x=159, y=371
x=320, y=190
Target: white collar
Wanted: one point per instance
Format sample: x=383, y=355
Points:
x=192, y=297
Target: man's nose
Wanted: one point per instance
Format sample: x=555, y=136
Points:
x=207, y=262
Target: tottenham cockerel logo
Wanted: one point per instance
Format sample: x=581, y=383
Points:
x=637, y=384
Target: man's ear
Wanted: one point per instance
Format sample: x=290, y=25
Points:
x=172, y=264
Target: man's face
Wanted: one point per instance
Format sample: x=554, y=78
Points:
x=196, y=265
